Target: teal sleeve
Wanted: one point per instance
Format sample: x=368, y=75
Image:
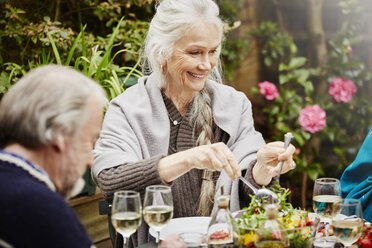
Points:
x=356, y=181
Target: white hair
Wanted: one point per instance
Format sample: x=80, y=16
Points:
x=49, y=100
x=170, y=22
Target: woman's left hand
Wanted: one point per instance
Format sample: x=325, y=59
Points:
x=268, y=161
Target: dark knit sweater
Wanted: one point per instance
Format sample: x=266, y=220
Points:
x=32, y=215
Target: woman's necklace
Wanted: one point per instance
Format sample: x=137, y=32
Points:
x=175, y=122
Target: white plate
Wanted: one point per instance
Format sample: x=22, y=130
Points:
x=186, y=224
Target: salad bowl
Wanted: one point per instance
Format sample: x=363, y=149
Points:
x=299, y=225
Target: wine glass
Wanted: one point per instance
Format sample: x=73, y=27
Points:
x=158, y=207
x=326, y=193
x=126, y=213
x=348, y=224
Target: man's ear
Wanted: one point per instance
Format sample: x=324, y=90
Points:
x=59, y=143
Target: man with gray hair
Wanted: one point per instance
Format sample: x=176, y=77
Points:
x=49, y=122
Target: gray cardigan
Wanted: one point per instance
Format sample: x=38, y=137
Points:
x=136, y=127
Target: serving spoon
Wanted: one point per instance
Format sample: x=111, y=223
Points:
x=261, y=193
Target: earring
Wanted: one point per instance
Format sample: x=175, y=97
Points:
x=162, y=69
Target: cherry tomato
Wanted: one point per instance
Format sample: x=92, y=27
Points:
x=309, y=221
x=366, y=240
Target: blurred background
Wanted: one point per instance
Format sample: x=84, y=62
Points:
x=301, y=47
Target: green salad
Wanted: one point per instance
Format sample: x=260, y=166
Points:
x=299, y=224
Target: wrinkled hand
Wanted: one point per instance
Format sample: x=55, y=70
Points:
x=172, y=241
x=215, y=157
x=268, y=160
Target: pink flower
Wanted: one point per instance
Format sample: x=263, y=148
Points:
x=13, y=16
x=312, y=118
x=269, y=90
x=342, y=90
x=350, y=49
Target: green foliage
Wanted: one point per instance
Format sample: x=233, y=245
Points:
x=347, y=123
x=232, y=55
x=45, y=42
x=95, y=44
x=275, y=45
x=234, y=47
x=18, y=32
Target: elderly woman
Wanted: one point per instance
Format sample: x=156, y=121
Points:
x=179, y=125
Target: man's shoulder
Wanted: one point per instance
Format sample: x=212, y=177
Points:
x=45, y=215
x=18, y=182
x=26, y=193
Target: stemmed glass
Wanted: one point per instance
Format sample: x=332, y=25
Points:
x=348, y=224
x=158, y=207
x=126, y=213
x=326, y=193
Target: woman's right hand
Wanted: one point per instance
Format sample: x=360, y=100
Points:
x=213, y=157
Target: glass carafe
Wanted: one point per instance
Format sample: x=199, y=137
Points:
x=271, y=233
x=222, y=226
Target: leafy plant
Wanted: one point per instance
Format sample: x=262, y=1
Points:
x=95, y=56
x=31, y=40
x=275, y=45
x=233, y=49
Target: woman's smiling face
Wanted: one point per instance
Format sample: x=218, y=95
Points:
x=194, y=56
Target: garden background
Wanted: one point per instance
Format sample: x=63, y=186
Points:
x=315, y=56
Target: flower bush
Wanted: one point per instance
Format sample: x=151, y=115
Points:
x=325, y=108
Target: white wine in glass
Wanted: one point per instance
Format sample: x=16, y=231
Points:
x=158, y=207
x=348, y=223
x=326, y=193
x=126, y=213
x=324, y=205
